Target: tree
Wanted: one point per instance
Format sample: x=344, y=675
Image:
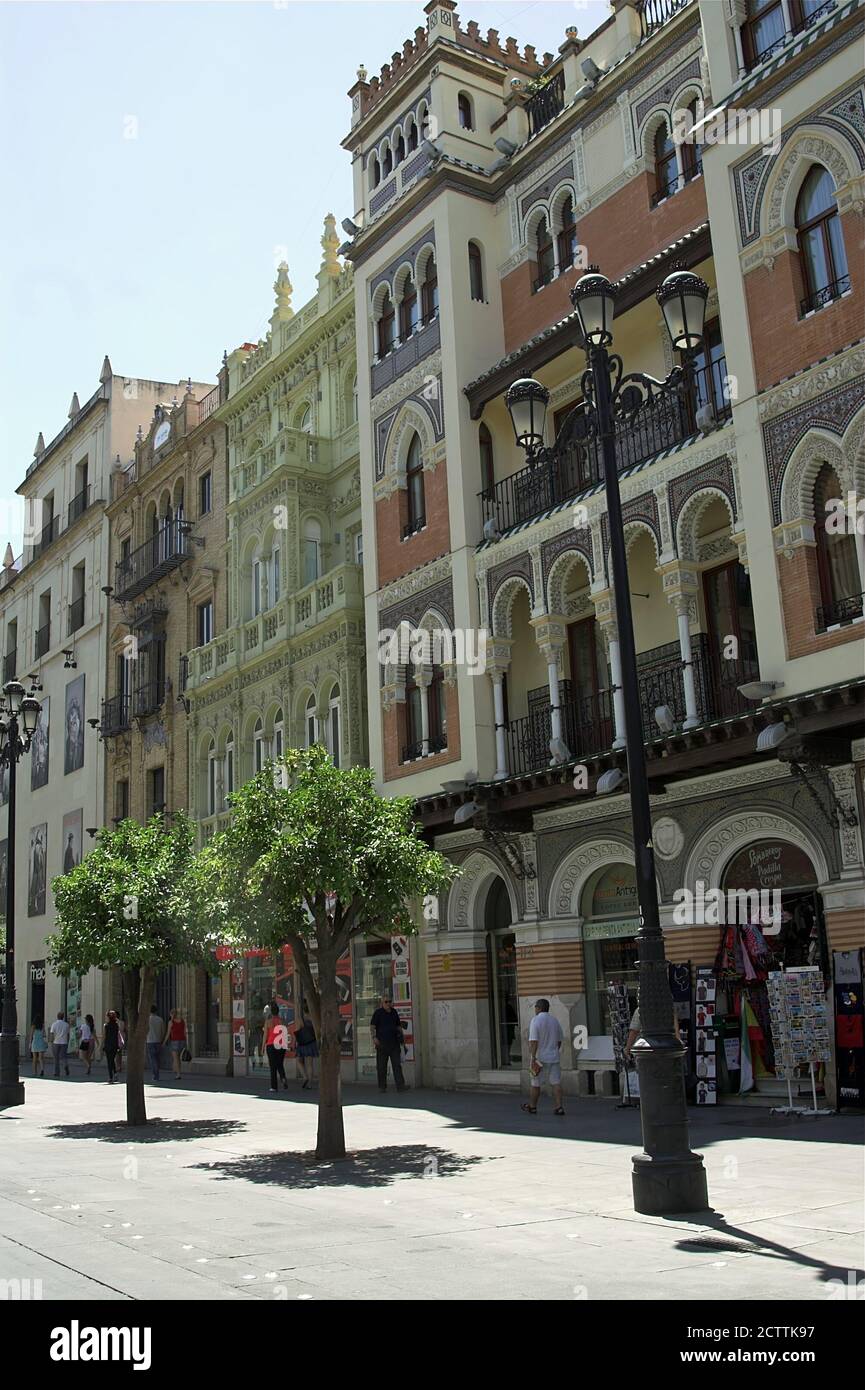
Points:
x=130, y=903
x=314, y=857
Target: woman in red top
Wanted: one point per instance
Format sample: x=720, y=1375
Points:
x=176, y=1039
x=276, y=1041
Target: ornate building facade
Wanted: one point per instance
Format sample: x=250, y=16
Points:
x=284, y=665
x=486, y=180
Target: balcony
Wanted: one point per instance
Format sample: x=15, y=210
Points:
x=411, y=528
x=78, y=506
x=655, y=13
x=839, y=613
x=49, y=533
x=115, y=716
x=155, y=558
x=436, y=743
x=10, y=665
x=207, y=405
x=425, y=339
x=827, y=295
x=577, y=464
x=775, y=45
x=148, y=698
x=546, y=103
x=43, y=639
x=76, y=615
x=676, y=182
x=588, y=721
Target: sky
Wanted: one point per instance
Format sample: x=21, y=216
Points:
x=160, y=158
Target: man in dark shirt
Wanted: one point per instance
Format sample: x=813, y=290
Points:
x=387, y=1040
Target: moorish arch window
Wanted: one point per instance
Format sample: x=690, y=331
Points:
x=408, y=309
x=399, y=150
x=837, y=565
x=544, y=254
x=464, y=111
x=334, y=732
x=430, y=291
x=415, y=487
x=666, y=163
x=568, y=235
x=411, y=130
x=821, y=240
x=386, y=326
x=387, y=162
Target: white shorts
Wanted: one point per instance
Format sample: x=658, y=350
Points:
x=550, y=1074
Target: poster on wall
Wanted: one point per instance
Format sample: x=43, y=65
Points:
x=4, y=877
x=849, y=1028
x=36, y=870
x=238, y=1012
x=39, y=747
x=705, y=1036
x=73, y=830
x=73, y=744
x=346, y=1008
x=401, y=991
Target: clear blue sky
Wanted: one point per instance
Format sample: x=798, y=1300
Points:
x=160, y=250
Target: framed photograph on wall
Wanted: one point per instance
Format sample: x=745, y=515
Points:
x=73, y=742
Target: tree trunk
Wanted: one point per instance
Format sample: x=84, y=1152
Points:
x=331, y=1133
x=140, y=991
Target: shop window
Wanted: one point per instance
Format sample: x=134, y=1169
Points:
x=821, y=241
x=464, y=111
x=837, y=565
x=568, y=235
x=544, y=255
x=666, y=164
x=611, y=920
x=505, y=1040
x=476, y=272
x=415, y=488
x=373, y=977
x=488, y=471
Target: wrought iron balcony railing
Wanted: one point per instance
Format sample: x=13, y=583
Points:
x=150, y=561
x=820, y=298
x=436, y=743
x=43, y=639
x=655, y=13
x=115, y=717
x=411, y=528
x=148, y=698
x=774, y=45
x=10, y=665
x=76, y=615
x=49, y=533
x=843, y=610
x=576, y=464
x=546, y=103
x=78, y=506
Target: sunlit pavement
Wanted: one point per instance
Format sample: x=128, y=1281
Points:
x=446, y=1196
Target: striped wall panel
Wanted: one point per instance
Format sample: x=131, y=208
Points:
x=846, y=930
x=551, y=967
x=458, y=975
x=697, y=944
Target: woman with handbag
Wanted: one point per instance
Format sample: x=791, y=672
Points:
x=111, y=1043
x=176, y=1040
x=87, y=1042
x=307, y=1049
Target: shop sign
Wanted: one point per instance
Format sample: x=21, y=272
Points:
x=770, y=864
x=604, y=931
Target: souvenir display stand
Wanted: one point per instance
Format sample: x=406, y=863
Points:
x=800, y=1030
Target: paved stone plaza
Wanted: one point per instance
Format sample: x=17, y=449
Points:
x=461, y=1194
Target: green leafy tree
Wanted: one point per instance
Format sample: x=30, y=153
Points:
x=130, y=903
x=312, y=858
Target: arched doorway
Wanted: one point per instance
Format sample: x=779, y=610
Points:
x=505, y=1039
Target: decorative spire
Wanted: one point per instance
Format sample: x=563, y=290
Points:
x=40, y=445
x=74, y=407
x=330, y=245
x=189, y=386
x=139, y=436
x=8, y=558
x=282, y=289
x=106, y=374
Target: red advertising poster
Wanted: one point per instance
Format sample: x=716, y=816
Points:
x=238, y=1012
x=343, y=983
x=285, y=993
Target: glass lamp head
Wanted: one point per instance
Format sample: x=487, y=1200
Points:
x=594, y=301
x=527, y=402
x=13, y=692
x=30, y=711
x=682, y=298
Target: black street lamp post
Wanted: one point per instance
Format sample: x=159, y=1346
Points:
x=15, y=740
x=667, y=1176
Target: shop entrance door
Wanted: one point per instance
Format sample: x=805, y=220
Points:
x=507, y=1049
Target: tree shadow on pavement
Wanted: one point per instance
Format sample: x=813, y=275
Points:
x=361, y=1168
x=154, y=1132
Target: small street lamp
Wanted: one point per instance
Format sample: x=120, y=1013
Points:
x=667, y=1176
x=19, y=715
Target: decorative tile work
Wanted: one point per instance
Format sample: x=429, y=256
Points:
x=578, y=541
x=832, y=412
x=716, y=473
x=643, y=508
x=543, y=190
x=411, y=609
x=519, y=565
x=409, y=253
x=664, y=92
x=382, y=434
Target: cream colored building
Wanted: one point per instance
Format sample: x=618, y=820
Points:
x=53, y=631
x=486, y=180
x=285, y=666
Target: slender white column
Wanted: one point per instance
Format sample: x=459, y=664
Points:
x=424, y=683
x=499, y=706
x=555, y=707
x=620, y=740
x=692, y=717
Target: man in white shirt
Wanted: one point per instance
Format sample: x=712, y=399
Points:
x=545, y=1041
x=60, y=1043
x=155, y=1034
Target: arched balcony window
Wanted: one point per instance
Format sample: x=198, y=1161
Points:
x=386, y=327
x=399, y=150
x=415, y=488
x=311, y=723
x=464, y=111
x=408, y=310
x=430, y=292
x=334, y=732
x=821, y=240
x=438, y=720
x=387, y=162
x=837, y=565
x=412, y=134
x=544, y=254
x=568, y=235
x=666, y=163
x=374, y=172
x=260, y=750
x=476, y=272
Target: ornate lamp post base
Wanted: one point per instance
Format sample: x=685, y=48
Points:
x=11, y=1089
x=665, y=1186
x=11, y=1093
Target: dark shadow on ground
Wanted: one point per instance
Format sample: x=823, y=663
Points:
x=722, y=1237
x=154, y=1132
x=362, y=1168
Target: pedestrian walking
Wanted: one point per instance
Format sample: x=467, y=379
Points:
x=38, y=1046
x=87, y=1042
x=307, y=1049
x=257, y=1022
x=545, y=1041
x=111, y=1043
x=388, y=1041
x=276, y=1042
x=176, y=1039
x=60, y=1043
x=155, y=1034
